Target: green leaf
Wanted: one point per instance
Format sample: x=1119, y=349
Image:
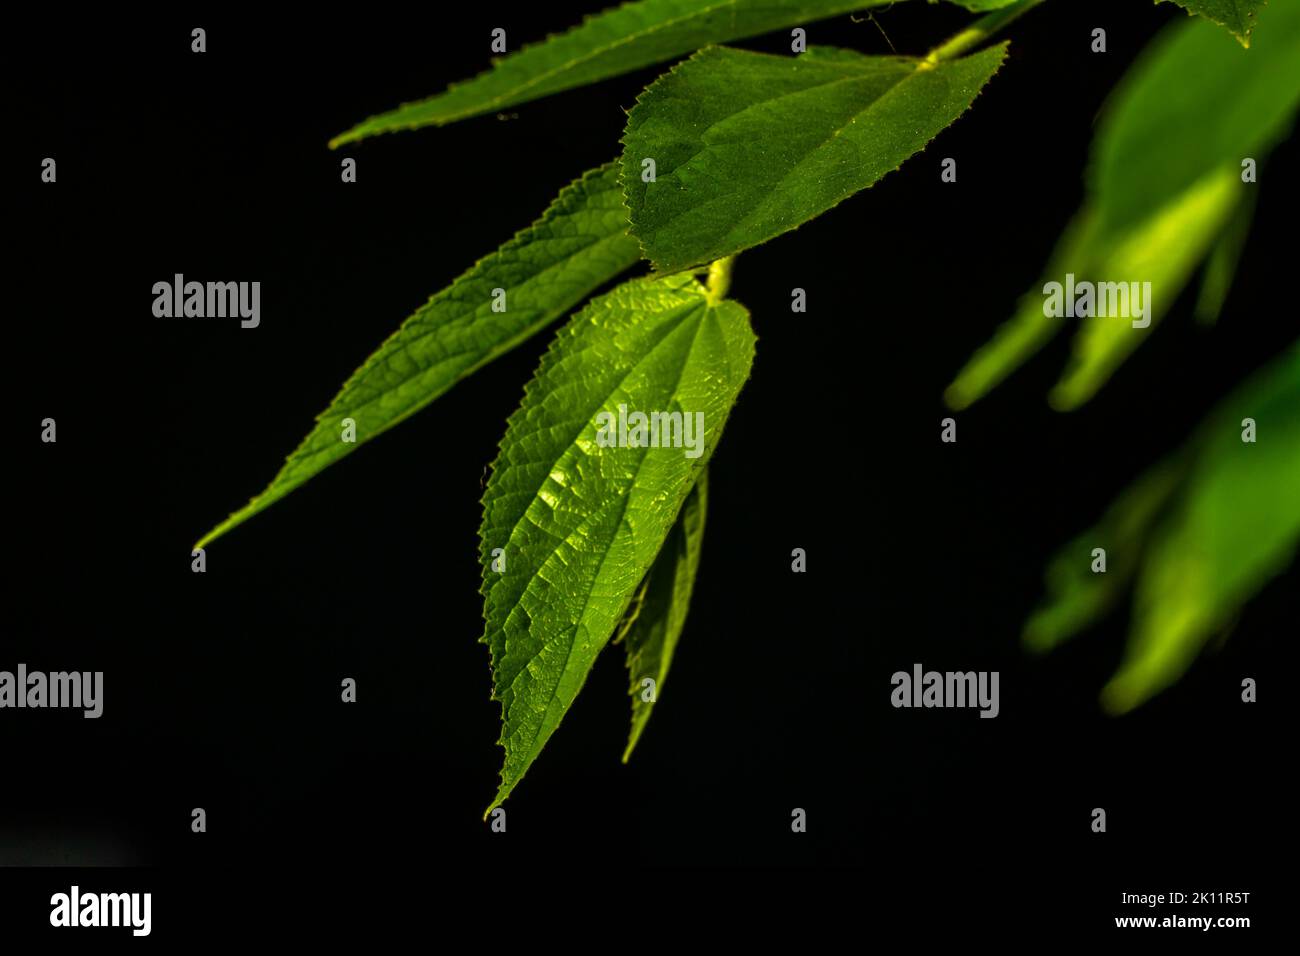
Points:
x=617, y=41
x=747, y=146
x=1235, y=528
x=579, y=243
x=654, y=622
x=1192, y=103
x=1201, y=533
x=580, y=524
x=1164, y=251
x=1238, y=16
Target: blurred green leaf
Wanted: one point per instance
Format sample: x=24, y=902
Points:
x=580, y=524
x=1164, y=250
x=654, y=623
x=1017, y=339
x=1164, y=193
x=1078, y=597
x=747, y=146
x=617, y=41
x=1201, y=533
x=1233, y=528
x=1193, y=102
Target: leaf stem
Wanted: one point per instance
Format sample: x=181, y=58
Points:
x=720, y=279
x=979, y=31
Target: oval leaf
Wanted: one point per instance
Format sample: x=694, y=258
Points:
x=746, y=146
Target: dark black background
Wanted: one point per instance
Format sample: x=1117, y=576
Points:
x=222, y=689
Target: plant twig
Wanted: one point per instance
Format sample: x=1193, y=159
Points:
x=720, y=278
x=979, y=31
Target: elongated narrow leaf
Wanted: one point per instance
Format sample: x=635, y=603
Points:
x=617, y=41
x=1020, y=337
x=580, y=243
x=1221, y=265
x=1200, y=533
x=578, y=521
x=746, y=146
x=1237, y=16
x=655, y=620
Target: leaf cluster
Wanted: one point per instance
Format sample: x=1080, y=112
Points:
x=584, y=542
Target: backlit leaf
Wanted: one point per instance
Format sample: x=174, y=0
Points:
x=580, y=524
